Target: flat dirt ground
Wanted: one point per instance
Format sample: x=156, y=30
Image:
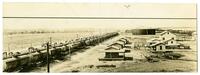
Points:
x=86, y=60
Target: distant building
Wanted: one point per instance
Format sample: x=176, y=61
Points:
x=142, y=31
x=166, y=35
x=163, y=45
x=116, y=51
x=194, y=35
x=183, y=37
x=118, y=44
x=166, y=40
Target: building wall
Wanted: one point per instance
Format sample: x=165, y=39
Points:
x=158, y=47
x=111, y=55
x=172, y=42
x=142, y=31
x=168, y=36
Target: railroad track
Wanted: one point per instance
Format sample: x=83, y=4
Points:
x=33, y=56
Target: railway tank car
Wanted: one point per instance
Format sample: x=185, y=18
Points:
x=12, y=61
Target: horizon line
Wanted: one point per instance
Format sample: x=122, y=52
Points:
x=40, y=17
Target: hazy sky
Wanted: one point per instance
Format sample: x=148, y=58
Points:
x=139, y=10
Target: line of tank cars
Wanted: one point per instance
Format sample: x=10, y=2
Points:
x=17, y=60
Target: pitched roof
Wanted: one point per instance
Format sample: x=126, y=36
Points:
x=114, y=47
x=153, y=40
x=119, y=42
x=162, y=42
x=163, y=32
x=123, y=40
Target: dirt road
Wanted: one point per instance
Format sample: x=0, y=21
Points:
x=86, y=60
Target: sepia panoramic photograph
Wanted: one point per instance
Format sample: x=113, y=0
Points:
x=43, y=37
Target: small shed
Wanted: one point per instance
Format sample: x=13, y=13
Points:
x=114, y=53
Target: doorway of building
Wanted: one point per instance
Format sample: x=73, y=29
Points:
x=160, y=47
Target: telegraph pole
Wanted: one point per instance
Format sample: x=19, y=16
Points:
x=70, y=52
x=48, y=70
x=8, y=47
x=10, y=38
x=50, y=39
x=77, y=35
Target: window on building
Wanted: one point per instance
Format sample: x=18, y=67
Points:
x=160, y=47
x=173, y=38
x=171, y=41
x=163, y=38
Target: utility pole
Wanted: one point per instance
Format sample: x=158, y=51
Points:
x=9, y=44
x=8, y=47
x=48, y=57
x=77, y=35
x=50, y=41
x=69, y=52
